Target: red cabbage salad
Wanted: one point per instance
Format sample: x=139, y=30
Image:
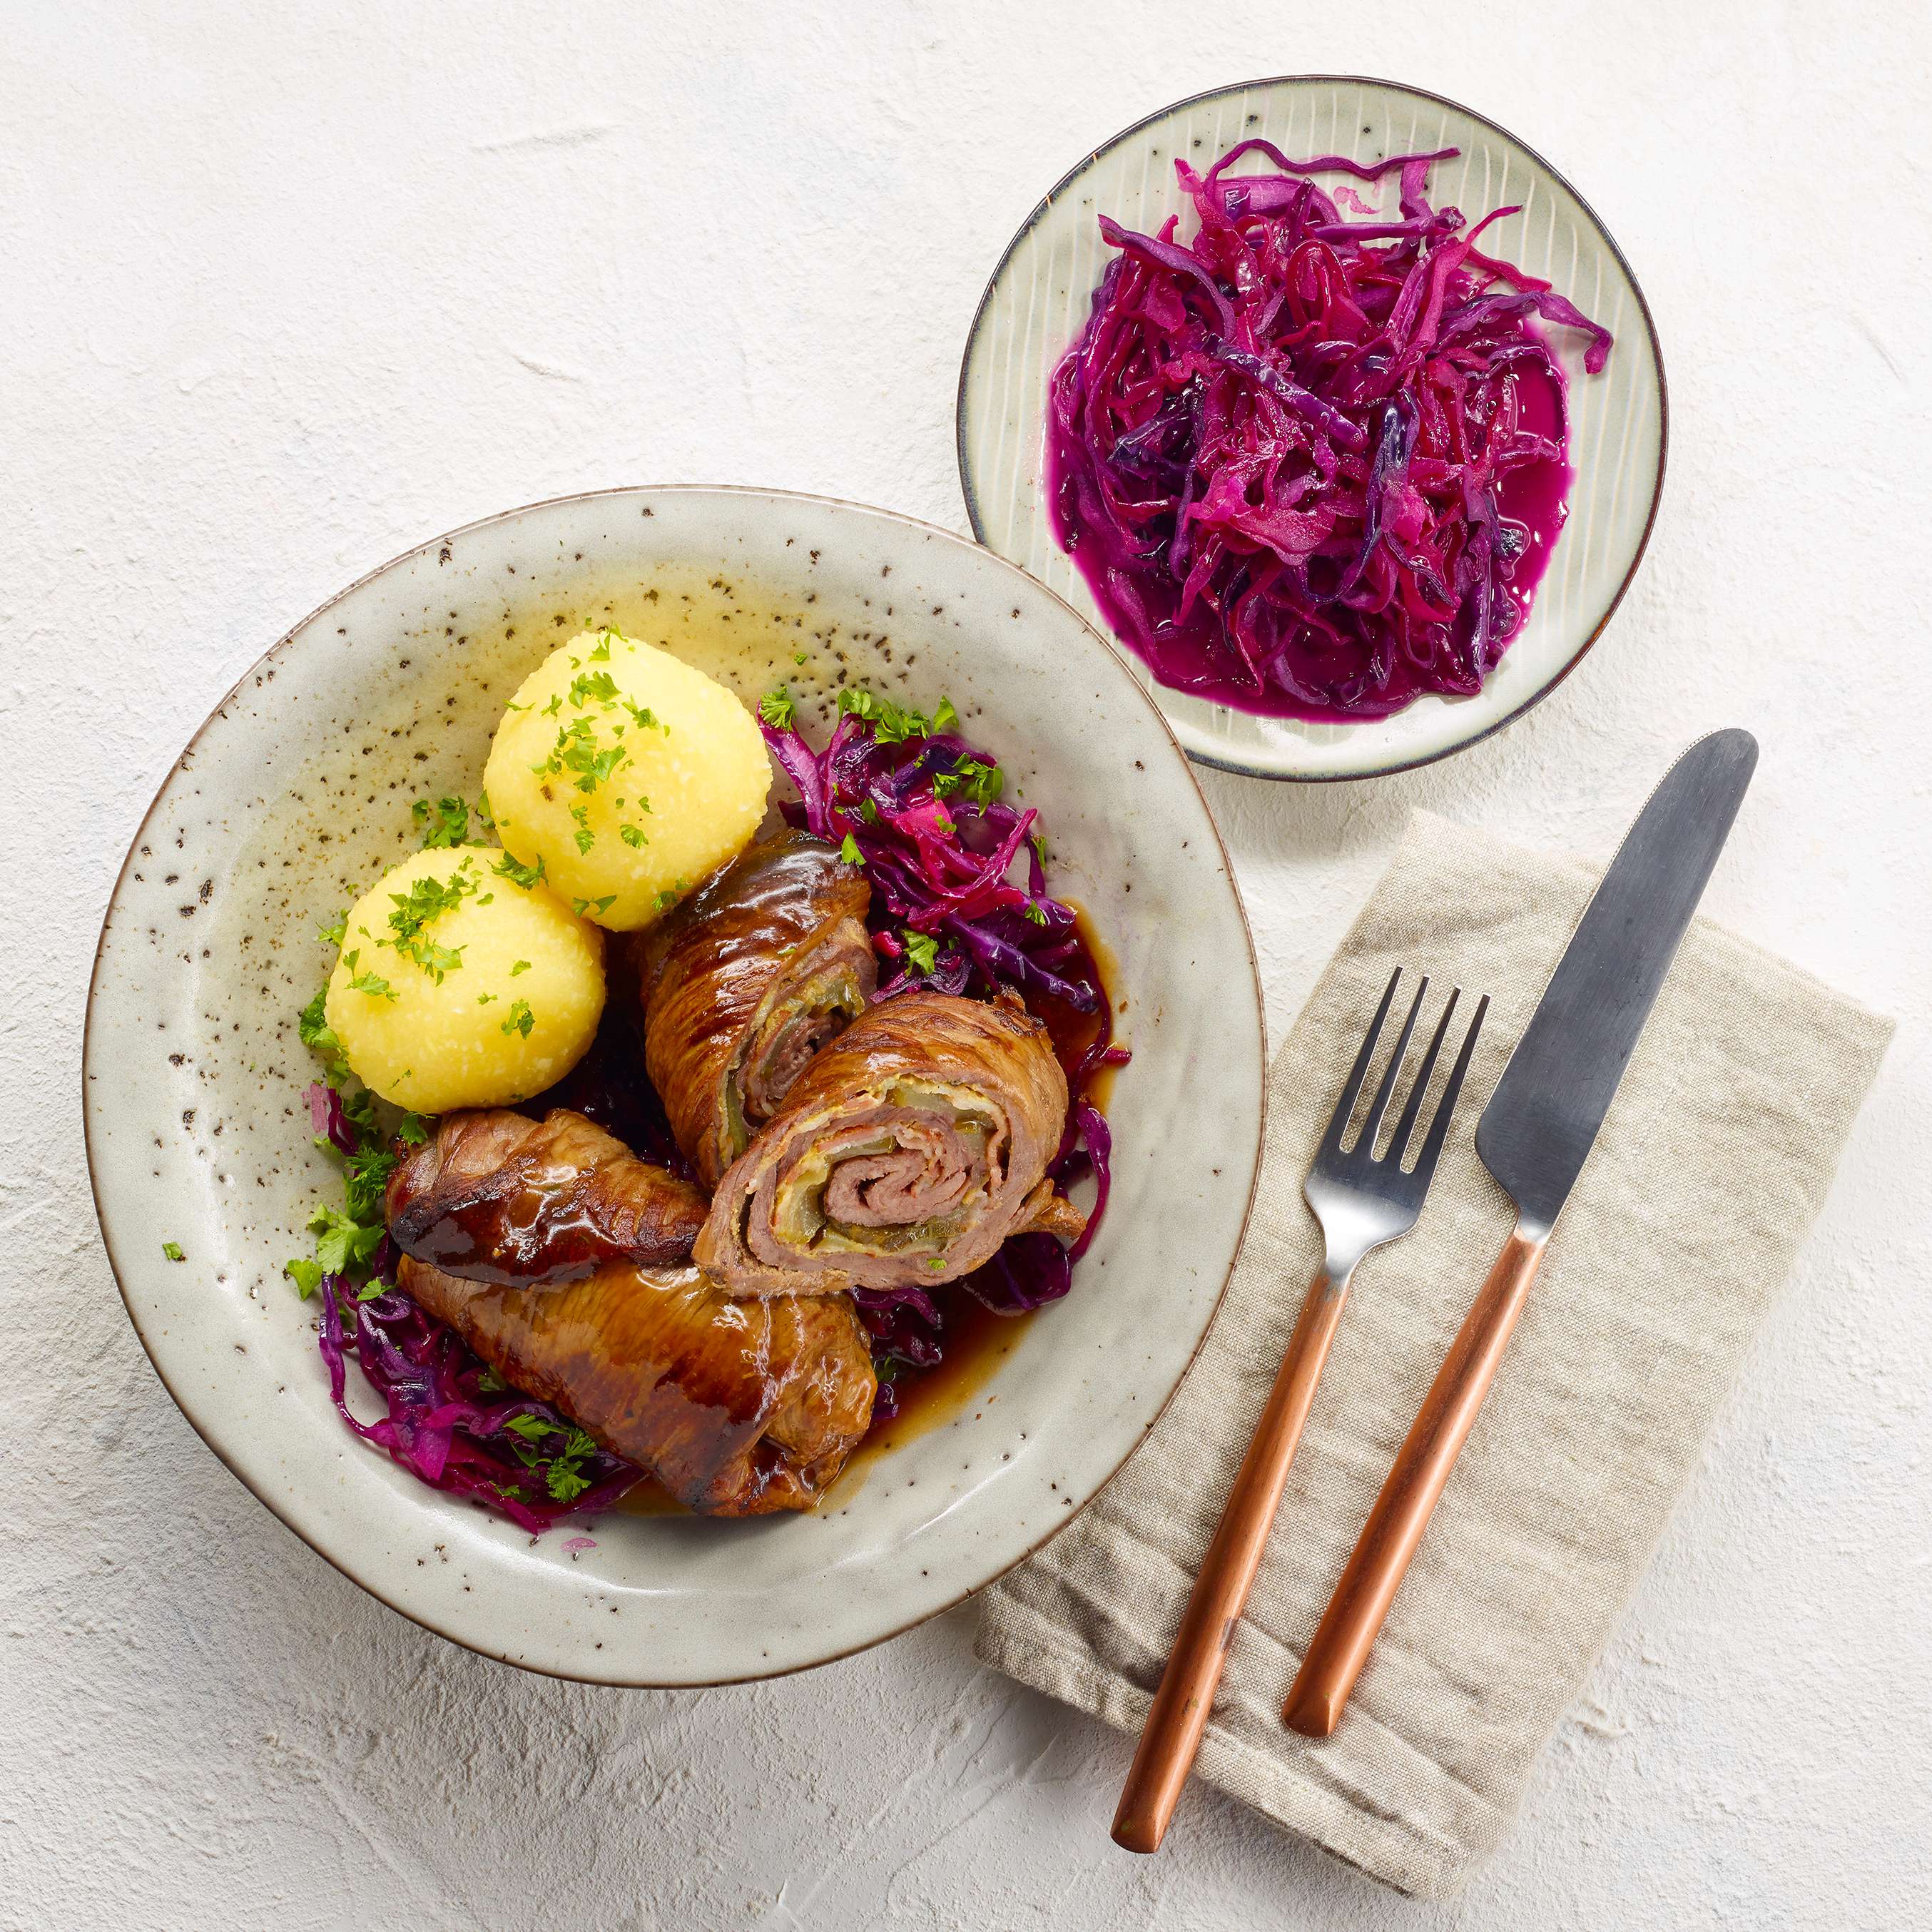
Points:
x=1311, y=467
x=959, y=903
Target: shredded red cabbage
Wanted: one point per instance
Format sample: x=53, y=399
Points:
x=452, y=1423
x=1311, y=467
x=920, y=807
x=328, y=1121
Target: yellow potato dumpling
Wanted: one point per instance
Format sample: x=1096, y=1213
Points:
x=627, y=774
x=462, y=983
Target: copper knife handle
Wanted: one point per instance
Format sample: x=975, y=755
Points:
x=1357, y=1610
x=1180, y=1708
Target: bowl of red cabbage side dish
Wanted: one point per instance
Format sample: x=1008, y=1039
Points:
x=1334, y=406
x=674, y=1078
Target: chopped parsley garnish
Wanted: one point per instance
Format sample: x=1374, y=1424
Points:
x=173, y=1249
x=777, y=708
x=521, y=966
x=945, y=718
x=485, y=818
x=560, y=1468
x=347, y=1237
x=587, y=684
x=525, y=876
x=341, y=1240
x=980, y=782
x=632, y=836
x=445, y=823
x=427, y=900
x=521, y=1020
x=850, y=851
x=373, y=985
x=601, y=651
x=576, y=751
x=335, y=931
x=313, y=1028
x=307, y=1275
x=579, y=816
x=922, y=949
x=892, y=723
x=1037, y=913
x=436, y=960
x=583, y=908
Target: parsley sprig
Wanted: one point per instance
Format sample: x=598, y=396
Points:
x=444, y=822
x=559, y=1465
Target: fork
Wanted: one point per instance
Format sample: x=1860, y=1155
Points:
x=1361, y=1201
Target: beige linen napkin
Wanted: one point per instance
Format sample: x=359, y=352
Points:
x=1714, y=1159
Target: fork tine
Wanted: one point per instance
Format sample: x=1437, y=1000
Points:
x=1351, y=1091
x=1438, y=1128
x=1404, y=1127
x=1373, y=1125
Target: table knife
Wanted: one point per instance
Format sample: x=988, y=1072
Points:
x=1534, y=1137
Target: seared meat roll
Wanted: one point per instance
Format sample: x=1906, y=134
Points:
x=497, y=1197
x=562, y=1260
x=905, y=1153
x=762, y=965
x=739, y=1409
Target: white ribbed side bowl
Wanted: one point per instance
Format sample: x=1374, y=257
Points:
x=1037, y=303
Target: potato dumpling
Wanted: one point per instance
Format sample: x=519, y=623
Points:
x=627, y=774
x=462, y=983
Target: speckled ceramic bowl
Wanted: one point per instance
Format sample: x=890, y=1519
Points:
x=1037, y=303
x=296, y=793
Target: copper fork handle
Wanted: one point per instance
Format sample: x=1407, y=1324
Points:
x=1355, y=1613
x=1181, y=1705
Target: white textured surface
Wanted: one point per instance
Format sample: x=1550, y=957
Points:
x=280, y=299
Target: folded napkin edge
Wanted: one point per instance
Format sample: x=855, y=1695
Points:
x=1014, y=1639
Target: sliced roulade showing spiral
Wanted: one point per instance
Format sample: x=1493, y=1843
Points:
x=905, y=1153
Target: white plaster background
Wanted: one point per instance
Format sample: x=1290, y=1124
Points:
x=283, y=290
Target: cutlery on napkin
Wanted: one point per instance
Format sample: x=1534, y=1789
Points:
x=1740, y=1093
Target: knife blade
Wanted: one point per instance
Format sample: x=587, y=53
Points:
x=1543, y=1117
x=1535, y=1136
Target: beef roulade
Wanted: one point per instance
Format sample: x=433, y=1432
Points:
x=761, y=966
x=905, y=1153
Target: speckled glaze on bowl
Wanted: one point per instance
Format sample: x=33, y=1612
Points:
x=1037, y=302
x=296, y=793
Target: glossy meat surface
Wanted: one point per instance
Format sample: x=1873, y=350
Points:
x=563, y=1260
x=905, y=1153
x=738, y=1408
x=749, y=977
x=497, y=1197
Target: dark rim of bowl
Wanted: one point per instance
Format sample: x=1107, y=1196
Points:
x=259, y=1491
x=1058, y=190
